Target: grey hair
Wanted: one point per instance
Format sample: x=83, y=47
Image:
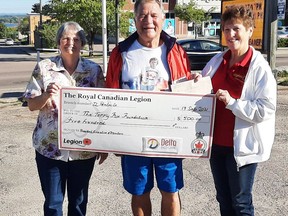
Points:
x=68, y=26
x=139, y=2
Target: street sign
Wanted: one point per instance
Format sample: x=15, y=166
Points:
x=281, y=9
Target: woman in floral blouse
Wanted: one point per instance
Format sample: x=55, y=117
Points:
x=57, y=168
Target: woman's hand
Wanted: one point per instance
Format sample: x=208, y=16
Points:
x=52, y=89
x=223, y=95
x=40, y=101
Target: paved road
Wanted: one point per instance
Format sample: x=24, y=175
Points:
x=20, y=190
x=18, y=62
x=21, y=195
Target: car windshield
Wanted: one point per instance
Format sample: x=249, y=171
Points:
x=210, y=46
x=198, y=45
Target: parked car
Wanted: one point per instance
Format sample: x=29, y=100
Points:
x=283, y=29
x=199, y=51
x=9, y=42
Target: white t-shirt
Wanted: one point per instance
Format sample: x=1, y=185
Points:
x=145, y=68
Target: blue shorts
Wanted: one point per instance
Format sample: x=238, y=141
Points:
x=138, y=174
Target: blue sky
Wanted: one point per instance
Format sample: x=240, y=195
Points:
x=18, y=6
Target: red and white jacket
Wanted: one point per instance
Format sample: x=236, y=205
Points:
x=176, y=57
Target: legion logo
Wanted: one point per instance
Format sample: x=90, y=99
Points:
x=199, y=145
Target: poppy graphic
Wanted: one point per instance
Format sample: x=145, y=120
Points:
x=87, y=141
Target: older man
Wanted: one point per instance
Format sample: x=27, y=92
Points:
x=128, y=69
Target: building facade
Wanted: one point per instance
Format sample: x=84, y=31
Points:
x=34, y=22
x=182, y=29
x=213, y=7
x=209, y=28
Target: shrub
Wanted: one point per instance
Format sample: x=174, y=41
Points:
x=282, y=77
x=282, y=73
x=283, y=42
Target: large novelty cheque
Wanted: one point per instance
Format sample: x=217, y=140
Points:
x=158, y=124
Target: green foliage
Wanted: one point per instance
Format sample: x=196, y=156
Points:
x=284, y=82
x=9, y=19
x=6, y=32
x=282, y=78
x=2, y=30
x=48, y=33
x=189, y=13
x=36, y=8
x=85, y=12
x=124, y=24
x=23, y=26
x=282, y=74
x=11, y=33
x=283, y=42
x=88, y=13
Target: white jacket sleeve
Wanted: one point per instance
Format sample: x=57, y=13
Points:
x=258, y=98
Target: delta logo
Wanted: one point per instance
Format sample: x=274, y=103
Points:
x=160, y=144
x=199, y=145
x=164, y=143
x=152, y=143
x=84, y=142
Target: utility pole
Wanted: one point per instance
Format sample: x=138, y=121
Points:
x=117, y=22
x=40, y=24
x=104, y=36
x=271, y=6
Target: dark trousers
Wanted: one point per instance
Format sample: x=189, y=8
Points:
x=233, y=186
x=55, y=175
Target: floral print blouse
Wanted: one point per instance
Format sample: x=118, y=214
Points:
x=45, y=135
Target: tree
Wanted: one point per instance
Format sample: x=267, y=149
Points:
x=124, y=24
x=2, y=30
x=23, y=26
x=36, y=8
x=48, y=32
x=189, y=13
x=11, y=32
x=87, y=13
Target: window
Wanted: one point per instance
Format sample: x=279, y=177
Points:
x=169, y=15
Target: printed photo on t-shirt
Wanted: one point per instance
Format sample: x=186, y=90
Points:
x=149, y=79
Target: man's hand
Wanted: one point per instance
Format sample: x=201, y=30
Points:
x=195, y=76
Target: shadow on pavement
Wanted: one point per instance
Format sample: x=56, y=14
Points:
x=18, y=95
x=17, y=53
x=12, y=94
x=18, y=59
